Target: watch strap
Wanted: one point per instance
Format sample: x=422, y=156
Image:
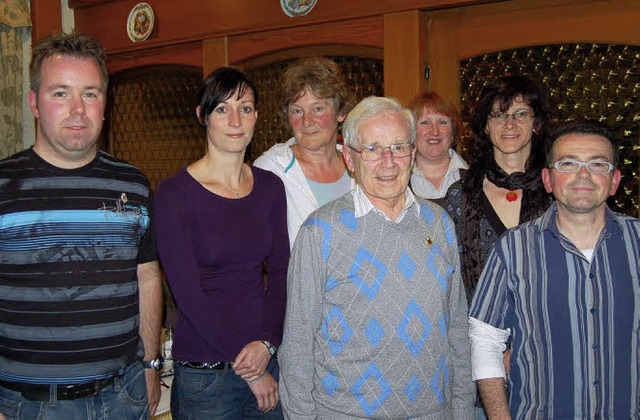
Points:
x=270, y=348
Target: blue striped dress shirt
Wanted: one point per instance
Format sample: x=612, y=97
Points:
x=574, y=323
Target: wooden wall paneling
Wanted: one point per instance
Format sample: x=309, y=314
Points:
x=444, y=61
x=188, y=54
x=215, y=53
x=188, y=20
x=405, y=54
x=489, y=28
x=313, y=51
x=360, y=32
x=46, y=18
x=483, y=29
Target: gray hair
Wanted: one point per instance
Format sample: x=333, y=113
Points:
x=371, y=107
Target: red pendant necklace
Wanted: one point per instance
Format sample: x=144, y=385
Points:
x=511, y=196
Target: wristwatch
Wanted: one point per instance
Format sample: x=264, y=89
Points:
x=155, y=364
x=270, y=347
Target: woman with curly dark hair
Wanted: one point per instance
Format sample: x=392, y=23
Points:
x=503, y=187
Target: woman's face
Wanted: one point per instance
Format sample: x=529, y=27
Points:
x=435, y=135
x=230, y=125
x=314, y=121
x=511, y=137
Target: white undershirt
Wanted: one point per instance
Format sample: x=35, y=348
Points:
x=487, y=345
x=588, y=253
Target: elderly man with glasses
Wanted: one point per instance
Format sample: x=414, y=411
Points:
x=565, y=289
x=376, y=322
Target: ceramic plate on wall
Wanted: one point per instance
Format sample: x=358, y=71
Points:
x=294, y=8
x=140, y=22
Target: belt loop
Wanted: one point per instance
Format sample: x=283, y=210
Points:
x=53, y=394
x=117, y=383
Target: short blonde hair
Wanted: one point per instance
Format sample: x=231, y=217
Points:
x=322, y=77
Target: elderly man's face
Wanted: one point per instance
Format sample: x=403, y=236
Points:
x=384, y=181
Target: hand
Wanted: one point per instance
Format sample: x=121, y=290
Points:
x=152, y=378
x=3, y=417
x=252, y=361
x=265, y=389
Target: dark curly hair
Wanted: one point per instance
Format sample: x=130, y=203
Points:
x=535, y=199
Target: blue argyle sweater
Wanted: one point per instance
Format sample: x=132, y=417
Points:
x=376, y=322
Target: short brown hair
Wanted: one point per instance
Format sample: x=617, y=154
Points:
x=435, y=103
x=72, y=45
x=322, y=77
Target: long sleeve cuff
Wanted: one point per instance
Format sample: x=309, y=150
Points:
x=487, y=345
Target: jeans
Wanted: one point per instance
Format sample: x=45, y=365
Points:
x=126, y=399
x=198, y=394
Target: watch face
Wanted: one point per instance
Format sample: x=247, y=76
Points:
x=155, y=364
x=158, y=364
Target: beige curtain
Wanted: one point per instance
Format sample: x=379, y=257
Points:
x=15, y=24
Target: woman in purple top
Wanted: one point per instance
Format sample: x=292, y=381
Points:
x=219, y=221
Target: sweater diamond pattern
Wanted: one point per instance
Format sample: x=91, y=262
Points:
x=442, y=325
x=412, y=389
x=386, y=325
x=440, y=380
x=366, y=261
x=325, y=229
x=348, y=218
x=407, y=266
x=331, y=283
x=336, y=330
x=434, y=256
x=330, y=383
x=427, y=214
x=414, y=329
x=374, y=332
x=371, y=389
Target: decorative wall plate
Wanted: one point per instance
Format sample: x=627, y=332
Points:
x=140, y=22
x=293, y=8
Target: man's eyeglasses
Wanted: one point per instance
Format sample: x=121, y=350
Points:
x=521, y=116
x=574, y=166
x=375, y=152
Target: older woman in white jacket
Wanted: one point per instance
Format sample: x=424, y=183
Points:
x=315, y=100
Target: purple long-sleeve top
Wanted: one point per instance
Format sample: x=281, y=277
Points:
x=212, y=251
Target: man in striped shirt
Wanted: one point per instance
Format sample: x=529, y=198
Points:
x=565, y=290
x=80, y=291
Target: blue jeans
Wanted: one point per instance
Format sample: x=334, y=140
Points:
x=198, y=394
x=126, y=399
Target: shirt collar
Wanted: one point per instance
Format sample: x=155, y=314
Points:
x=548, y=221
x=455, y=164
x=363, y=205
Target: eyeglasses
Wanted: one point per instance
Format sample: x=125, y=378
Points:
x=375, y=152
x=520, y=117
x=574, y=166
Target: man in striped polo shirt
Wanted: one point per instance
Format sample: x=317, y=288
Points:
x=80, y=291
x=565, y=290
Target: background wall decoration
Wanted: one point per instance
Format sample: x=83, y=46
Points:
x=15, y=26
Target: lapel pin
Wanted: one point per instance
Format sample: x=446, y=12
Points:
x=429, y=241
